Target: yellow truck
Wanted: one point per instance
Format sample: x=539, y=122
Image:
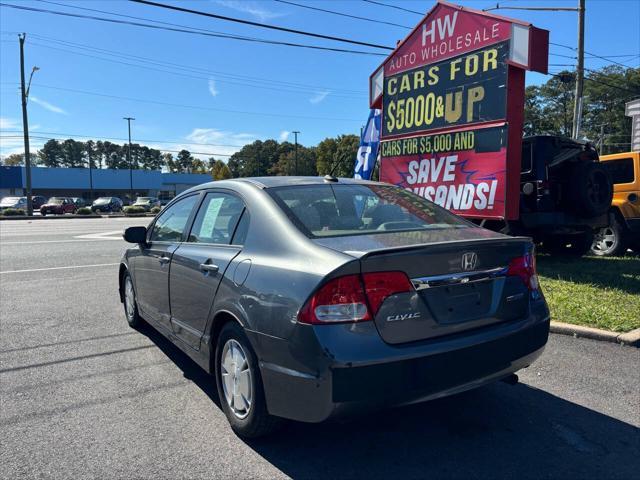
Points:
x=623, y=230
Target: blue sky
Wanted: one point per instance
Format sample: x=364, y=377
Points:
x=218, y=94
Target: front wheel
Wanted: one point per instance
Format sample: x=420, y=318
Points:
x=240, y=386
x=610, y=241
x=130, y=304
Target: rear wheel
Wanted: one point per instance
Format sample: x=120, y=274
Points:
x=240, y=386
x=130, y=304
x=610, y=240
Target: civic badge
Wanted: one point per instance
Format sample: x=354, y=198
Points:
x=469, y=261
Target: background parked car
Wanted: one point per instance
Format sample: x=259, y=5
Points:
x=79, y=202
x=13, y=202
x=107, y=204
x=623, y=230
x=146, y=202
x=58, y=206
x=38, y=201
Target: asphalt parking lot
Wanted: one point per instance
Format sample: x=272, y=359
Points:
x=84, y=396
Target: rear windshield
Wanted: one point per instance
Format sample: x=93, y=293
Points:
x=55, y=201
x=103, y=200
x=342, y=210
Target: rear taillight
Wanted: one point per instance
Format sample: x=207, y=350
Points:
x=341, y=299
x=380, y=285
x=525, y=268
x=348, y=299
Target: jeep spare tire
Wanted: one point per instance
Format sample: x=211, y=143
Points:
x=589, y=190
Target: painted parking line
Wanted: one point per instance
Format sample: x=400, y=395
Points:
x=36, y=242
x=60, y=268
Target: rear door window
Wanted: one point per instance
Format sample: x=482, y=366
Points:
x=216, y=219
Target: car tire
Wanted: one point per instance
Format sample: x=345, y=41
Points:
x=610, y=241
x=129, y=301
x=240, y=387
x=44, y=214
x=590, y=189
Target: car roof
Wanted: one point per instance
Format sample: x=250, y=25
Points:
x=282, y=181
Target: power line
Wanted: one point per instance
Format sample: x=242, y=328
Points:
x=183, y=142
x=394, y=6
x=197, y=107
x=213, y=154
x=261, y=25
x=592, y=54
x=342, y=14
x=190, y=31
x=219, y=76
x=215, y=73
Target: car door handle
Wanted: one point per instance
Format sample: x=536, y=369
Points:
x=209, y=268
x=164, y=260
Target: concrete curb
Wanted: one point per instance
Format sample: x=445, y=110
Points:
x=630, y=338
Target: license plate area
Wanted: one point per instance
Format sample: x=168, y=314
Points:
x=459, y=303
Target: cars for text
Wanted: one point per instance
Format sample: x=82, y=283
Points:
x=308, y=298
x=107, y=204
x=58, y=206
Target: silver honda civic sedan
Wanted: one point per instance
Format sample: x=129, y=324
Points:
x=307, y=297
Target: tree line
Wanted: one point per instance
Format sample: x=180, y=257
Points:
x=260, y=158
x=549, y=107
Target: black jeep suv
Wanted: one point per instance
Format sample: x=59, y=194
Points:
x=565, y=194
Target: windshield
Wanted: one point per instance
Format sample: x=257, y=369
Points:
x=103, y=200
x=341, y=210
x=55, y=201
x=143, y=199
x=9, y=200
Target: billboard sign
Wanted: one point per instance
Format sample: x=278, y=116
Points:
x=452, y=100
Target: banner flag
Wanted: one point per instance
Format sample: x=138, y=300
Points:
x=369, y=143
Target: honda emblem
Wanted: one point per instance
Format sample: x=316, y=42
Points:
x=469, y=261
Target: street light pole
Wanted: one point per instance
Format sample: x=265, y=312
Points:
x=128, y=119
x=25, y=124
x=295, y=133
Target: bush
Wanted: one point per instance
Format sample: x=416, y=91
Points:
x=84, y=211
x=155, y=210
x=133, y=210
x=13, y=212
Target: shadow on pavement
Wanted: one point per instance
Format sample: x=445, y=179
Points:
x=499, y=431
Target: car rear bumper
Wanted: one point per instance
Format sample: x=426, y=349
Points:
x=362, y=372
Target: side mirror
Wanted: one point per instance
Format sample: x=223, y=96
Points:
x=135, y=235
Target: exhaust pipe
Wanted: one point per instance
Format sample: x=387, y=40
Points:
x=511, y=379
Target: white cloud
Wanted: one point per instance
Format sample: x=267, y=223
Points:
x=9, y=124
x=47, y=105
x=252, y=8
x=319, y=97
x=219, y=143
x=212, y=87
x=284, y=135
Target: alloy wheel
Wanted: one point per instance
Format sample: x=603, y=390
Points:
x=129, y=300
x=605, y=240
x=236, y=378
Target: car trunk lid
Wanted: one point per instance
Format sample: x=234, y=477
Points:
x=459, y=280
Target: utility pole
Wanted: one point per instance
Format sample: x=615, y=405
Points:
x=25, y=124
x=128, y=119
x=577, y=107
x=295, y=133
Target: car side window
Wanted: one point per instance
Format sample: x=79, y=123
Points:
x=240, y=235
x=217, y=219
x=172, y=222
